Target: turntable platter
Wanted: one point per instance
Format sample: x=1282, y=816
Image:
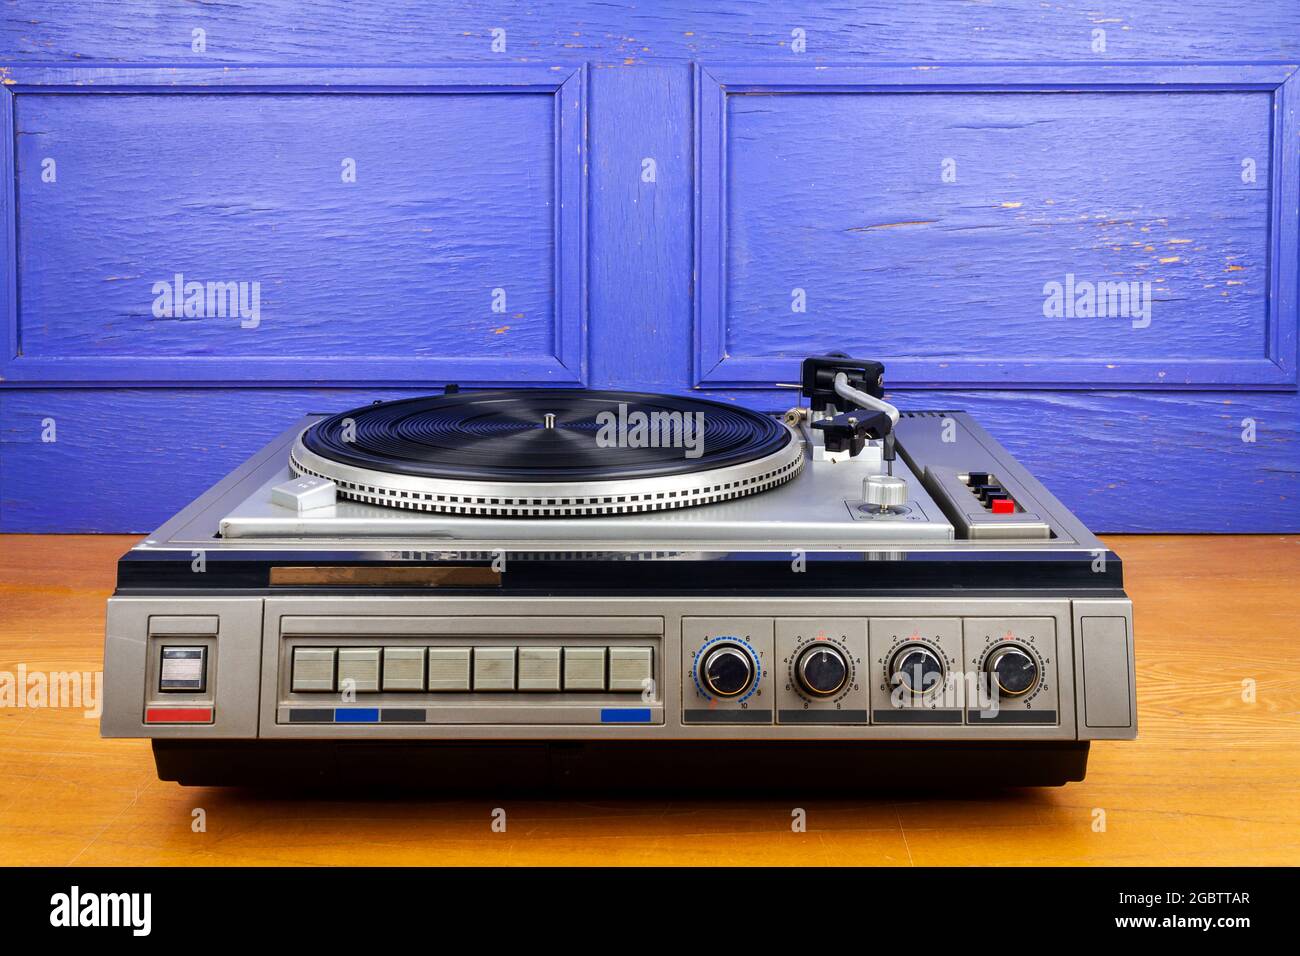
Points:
x=548, y=452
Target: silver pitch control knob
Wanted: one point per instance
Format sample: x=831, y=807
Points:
x=883, y=492
x=822, y=670
x=917, y=668
x=1014, y=671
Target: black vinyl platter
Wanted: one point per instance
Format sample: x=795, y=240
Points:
x=548, y=452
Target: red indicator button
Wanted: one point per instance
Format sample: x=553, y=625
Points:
x=1004, y=506
x=178, y=715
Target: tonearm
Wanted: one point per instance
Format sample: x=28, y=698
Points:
x=849, y=394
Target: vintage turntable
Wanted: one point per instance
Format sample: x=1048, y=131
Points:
x=587, y=588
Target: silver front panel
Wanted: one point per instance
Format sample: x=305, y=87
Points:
x=252, y=692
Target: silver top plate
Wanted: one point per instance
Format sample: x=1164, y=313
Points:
x=816, y=510
x=814, y=507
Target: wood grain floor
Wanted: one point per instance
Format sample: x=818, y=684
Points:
x=1212, y=779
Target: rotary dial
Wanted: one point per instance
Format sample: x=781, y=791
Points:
x=727, y=670
x=917, y=667
x=1014, y=670
x=822, y=670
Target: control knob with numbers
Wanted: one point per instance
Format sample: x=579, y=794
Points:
x=727, y=670
x=1013, y=669
x=822, y=670
x=884, y=492
x=916, y=667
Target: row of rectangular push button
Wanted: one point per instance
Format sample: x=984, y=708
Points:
x=370, y=669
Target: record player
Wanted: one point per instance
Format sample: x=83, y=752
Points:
x=578, y=588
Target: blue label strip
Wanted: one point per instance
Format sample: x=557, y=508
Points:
x=625, y=715
x=356, y=715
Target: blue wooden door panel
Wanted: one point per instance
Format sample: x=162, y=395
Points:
x=647, y=184
x=1059, y=234
x=845, y=197
x=251, y=188
x=376, y=224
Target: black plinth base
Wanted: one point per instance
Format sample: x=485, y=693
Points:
x=629, y=768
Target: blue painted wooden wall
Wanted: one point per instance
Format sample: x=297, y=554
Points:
x=663, y=196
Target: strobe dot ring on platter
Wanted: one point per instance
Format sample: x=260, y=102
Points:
x=548, y=452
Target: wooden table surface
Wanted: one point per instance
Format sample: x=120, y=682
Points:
x=1212, y=779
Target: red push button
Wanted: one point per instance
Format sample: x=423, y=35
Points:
x=178, y=715
x=1004, y=506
